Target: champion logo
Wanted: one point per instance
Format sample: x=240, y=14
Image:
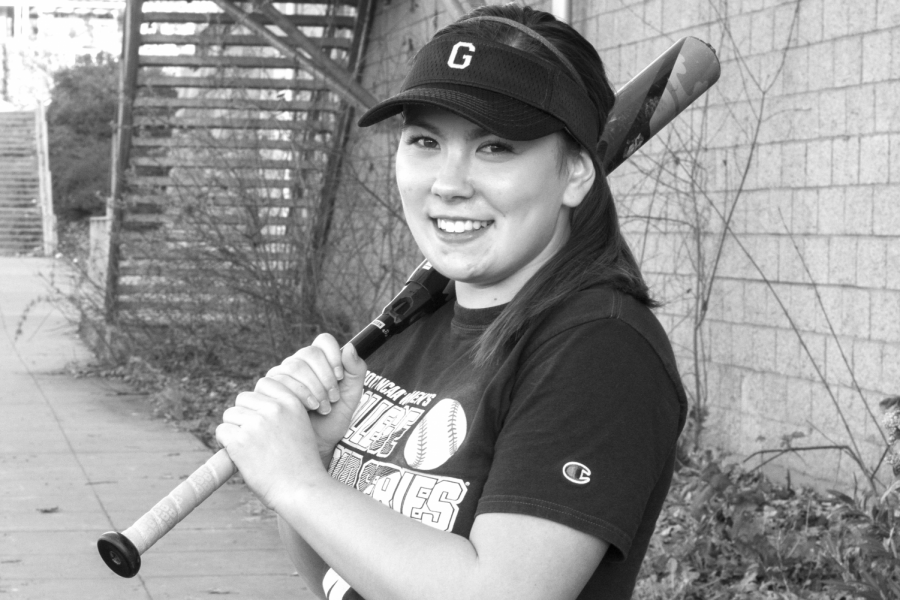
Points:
x=576, y=473
x=459, y=59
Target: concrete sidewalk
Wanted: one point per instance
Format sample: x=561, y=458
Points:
x=82, y=456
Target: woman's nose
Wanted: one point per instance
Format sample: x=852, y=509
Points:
x=453, y=181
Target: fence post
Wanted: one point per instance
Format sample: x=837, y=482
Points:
x=45, y=187
x=122, y=148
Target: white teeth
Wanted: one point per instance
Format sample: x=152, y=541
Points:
x=454, y=226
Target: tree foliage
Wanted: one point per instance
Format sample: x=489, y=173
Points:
x=80, y=124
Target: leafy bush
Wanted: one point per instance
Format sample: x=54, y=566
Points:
x=727, y=533
x=80, y=123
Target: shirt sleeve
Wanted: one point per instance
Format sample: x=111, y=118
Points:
x=592, y=424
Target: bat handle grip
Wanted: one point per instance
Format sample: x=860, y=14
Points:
x=122, y=551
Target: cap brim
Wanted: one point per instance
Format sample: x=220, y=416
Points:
x=497, y=113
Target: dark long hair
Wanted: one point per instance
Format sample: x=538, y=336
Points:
x=596, y=253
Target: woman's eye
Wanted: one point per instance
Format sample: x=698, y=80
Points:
x=422, y=141
x=496, y=148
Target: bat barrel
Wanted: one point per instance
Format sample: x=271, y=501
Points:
x=655, y=96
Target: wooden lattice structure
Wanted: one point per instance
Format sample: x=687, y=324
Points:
x=233, y=117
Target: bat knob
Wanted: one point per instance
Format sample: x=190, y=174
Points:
x=119, y=554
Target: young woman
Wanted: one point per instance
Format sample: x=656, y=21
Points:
x=518, y=442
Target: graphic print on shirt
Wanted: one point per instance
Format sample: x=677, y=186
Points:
x=369, y=457
x=437, y=436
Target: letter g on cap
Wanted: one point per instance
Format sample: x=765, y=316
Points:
x=453, y=62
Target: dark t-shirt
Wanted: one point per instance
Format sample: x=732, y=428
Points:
x=577, y=424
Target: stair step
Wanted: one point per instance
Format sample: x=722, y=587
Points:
x=223, y=19
x=213, y=162
x=219, y=83
x=156, y=181
x=241, y=62
x=249, y=124
x=224, y=145
x=225, y=103
x=339, y=43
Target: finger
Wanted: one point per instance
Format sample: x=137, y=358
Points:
x=279, y=385
x=354, y=374
x=239, y=415
x=323, y=365
x=332, y=351
x=297, y=368
x=225, y=433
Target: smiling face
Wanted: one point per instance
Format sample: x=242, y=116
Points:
x=486, y=211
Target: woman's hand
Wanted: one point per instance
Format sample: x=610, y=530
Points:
x=284, y=431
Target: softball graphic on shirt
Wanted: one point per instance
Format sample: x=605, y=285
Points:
x=437, y=436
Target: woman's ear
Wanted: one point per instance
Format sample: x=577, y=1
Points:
x=581, y=174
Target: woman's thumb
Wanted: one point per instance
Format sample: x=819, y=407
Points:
x=354, y=374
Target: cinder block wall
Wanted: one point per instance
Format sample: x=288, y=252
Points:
x=787, y=320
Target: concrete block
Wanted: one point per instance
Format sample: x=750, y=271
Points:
x=787, y=352
x=764, y=347
x=842, y=256
x=834, y=20
x=860, y=109
x=888, y=15
x=732, y=294
x=853, y=408
x=762, y=33
x=755, y=293
x=862, y=17
x=790, y=264
x=887, y=109
x=895, y=52
x=815, y=254
x=884, y=313
x=810, y=22
x=894, y=165
x=846, y=160
x=854, y=316
x=762, y=210
x=720, y=342
x=742, y=345
x=892, y=267
x=753, y=393
x=768, y=166
x=804, y=117
x=885, y=210
x=793, y=164
x=876, y=56
x=805, y=206
x=799, y=398
x=874, y=165
x=871, y=261
x=830, y=217
x=848, y=61
x=867, y=359
x=734, y=262
x=828, y=303
x=832, y=105
x=776, y=400
x=824, y=415
x=795, y=78
x=765, y=254
x=802, y=308
x=653, y=16
x=890, y=368
x=858, y=210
